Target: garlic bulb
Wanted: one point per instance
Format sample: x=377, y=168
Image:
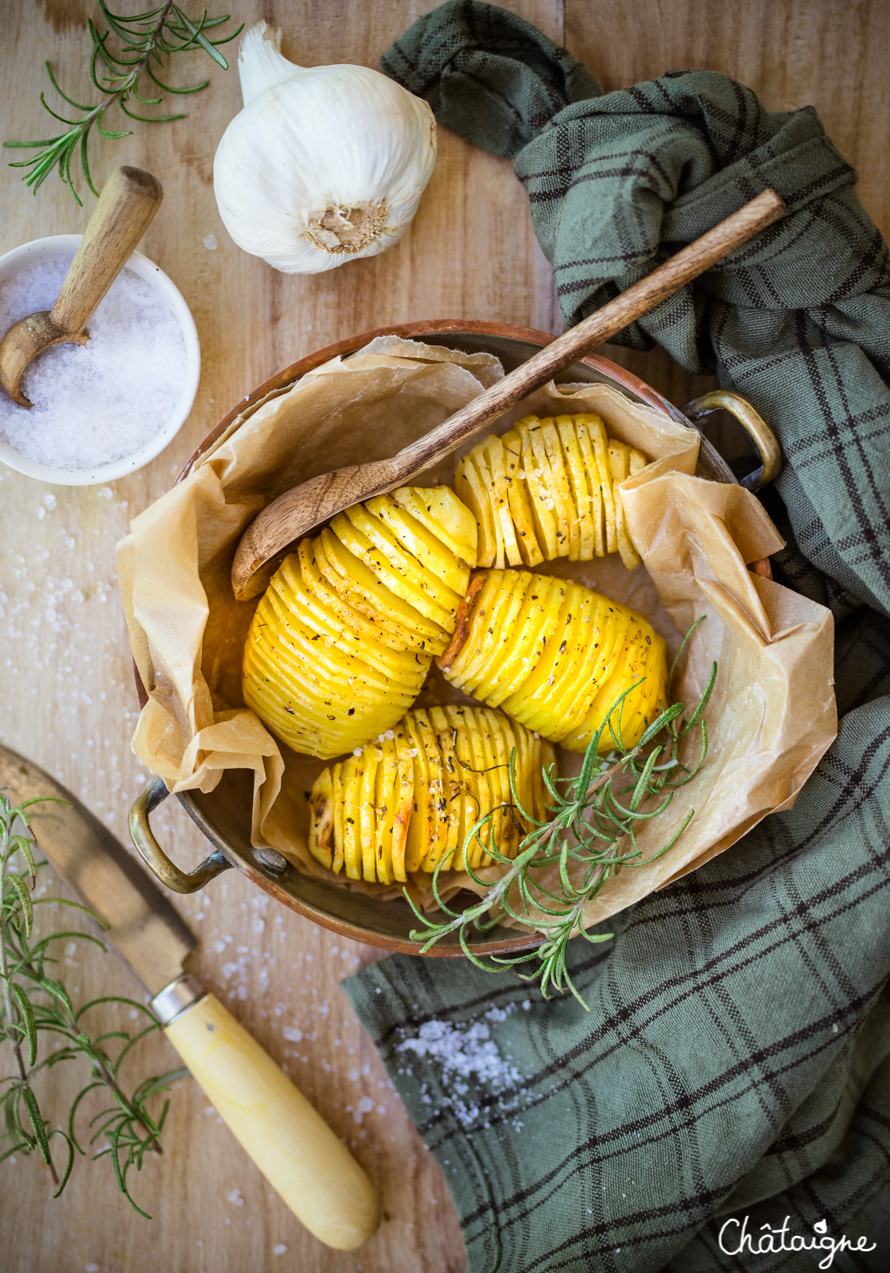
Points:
x=323, y=164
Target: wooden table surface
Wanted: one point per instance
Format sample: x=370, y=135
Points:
x=66, y=691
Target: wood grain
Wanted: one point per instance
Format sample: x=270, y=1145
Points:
x=67, y=696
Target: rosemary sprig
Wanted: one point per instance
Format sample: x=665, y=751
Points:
x=144, y=42
x=35, y=1002
x=590, y=836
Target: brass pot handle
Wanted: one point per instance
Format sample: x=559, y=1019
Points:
x=754, y=425
x=154, y=856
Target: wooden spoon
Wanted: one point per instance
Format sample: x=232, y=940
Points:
x=306, y=506
x=129, y=200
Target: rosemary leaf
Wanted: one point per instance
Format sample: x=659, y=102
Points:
x=120, y=54
x=34, y=1002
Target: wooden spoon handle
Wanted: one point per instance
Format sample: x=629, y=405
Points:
x=594, y=330
x=129, y=200
x=301, y=509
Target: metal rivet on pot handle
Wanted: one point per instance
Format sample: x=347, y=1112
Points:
x=154, y=856
x=754, y=425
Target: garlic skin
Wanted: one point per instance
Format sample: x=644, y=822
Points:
x=324, y=164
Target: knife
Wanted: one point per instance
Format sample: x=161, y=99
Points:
x=284, y=1135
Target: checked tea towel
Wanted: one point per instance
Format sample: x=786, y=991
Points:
x=734, y=1068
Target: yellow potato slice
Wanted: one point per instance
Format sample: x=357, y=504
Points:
x=619, y=464
x=499, y=661
x=340, y=608
x=559, y=489
x=594, y=487
x=340, y=624
x=381, y=602
x=564, y=669
x=321, y=818
x=434, y=555
x=530, y=700
x=365, y=810
x=337, y=796
x=480, y=459
x=422, y=827
x=440, y=510
x=402, y=562
x=528, y=650
x=493, y=452
x=367, y=596
x=461, y=801
x=632, y=663
x=404, y=801
x=637, y=461
x=499, y=603
x=505, y=618
x=538, y=481
x=599, y=442
x=352, y=771
x=371, y=756
x=471, y=756
x=470, y=486
x=313, y=655
x=518, y=496
x=401, y=583
x=481, y=731
x=582, y=545
x=571, y=697
x=509, y=829
x=385, y=802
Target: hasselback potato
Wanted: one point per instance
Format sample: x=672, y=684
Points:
x=344, y=635
x=555, y=655
x=547, y=489
x=407, y=801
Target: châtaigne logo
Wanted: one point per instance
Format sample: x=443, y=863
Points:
x=734, y=1239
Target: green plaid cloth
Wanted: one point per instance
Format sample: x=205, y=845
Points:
x=734, y=1067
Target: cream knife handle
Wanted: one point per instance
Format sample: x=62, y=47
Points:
x=288, y=1140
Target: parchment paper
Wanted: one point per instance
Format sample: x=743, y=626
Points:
x=772, y=714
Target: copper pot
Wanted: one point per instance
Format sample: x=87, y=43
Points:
x=224, y=814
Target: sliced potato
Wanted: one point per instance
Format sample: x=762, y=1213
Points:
x=433, y=554
x=560, y=490
x=352, y=773
x=381, y=792
x=403, y=584
x=385, y=803
x=423, y=827
x=441, y=512
x=538, y=478
x=470, y=486
x=561, y=683
x=321, y=821
x=581, y=546
x=371, y=757
x=493, y=451
x=518, y=496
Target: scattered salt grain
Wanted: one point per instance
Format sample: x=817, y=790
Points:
x=469, y=1062
x=235, y=1198
x=293, y=1034
x=210, y=242
x=97, y=402
x=279, y=1249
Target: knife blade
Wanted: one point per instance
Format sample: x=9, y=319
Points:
x=284, y=1135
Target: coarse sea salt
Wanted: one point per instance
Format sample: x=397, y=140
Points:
x=98, y=402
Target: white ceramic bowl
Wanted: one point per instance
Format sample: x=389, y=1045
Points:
x=63, y=246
